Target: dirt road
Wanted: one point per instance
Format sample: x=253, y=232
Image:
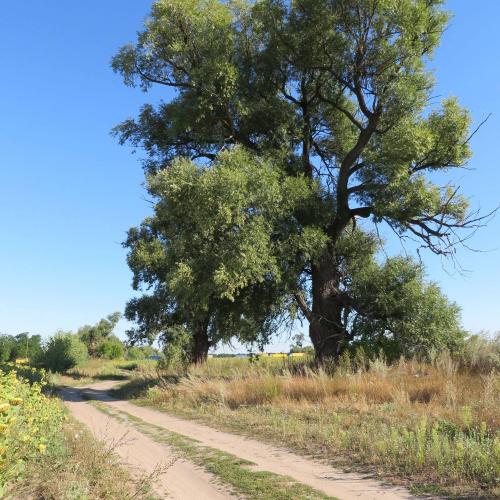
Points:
x=186, y=481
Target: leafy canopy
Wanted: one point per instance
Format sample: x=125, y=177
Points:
x=341, y=88
x=323, y=113
x=223, y=246
x=64, y=350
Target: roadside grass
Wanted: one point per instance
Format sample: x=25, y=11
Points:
x=229, y=469
x=432, y=425
x=96, y=369
x=79, y=467
x=45, y=455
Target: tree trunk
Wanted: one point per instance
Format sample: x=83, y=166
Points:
x=325, y=328
x=200, y=345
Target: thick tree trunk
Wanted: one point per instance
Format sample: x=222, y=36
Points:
x=200, y=345
x=325, y=327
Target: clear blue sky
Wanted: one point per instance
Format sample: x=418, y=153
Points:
x=68, y=192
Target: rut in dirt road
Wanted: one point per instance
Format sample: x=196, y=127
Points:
x=179, y=480
x=319, y=476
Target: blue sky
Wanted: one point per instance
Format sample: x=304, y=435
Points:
x=69, y=192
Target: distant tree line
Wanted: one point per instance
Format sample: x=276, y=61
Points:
x=22, y=345
x=65, y=349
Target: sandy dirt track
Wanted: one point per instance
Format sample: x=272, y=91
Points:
x=142, y=455
x=185, y=480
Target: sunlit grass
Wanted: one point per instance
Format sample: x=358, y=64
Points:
x=431, y=423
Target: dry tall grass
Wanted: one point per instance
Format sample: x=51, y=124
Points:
x=433, y=422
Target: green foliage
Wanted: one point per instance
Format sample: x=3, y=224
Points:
x=221, y=247
x=63, y=351
x=29, y=424
x=298, y=343
x=141, y=352
x=93, y=335
x=111, y=348
x=7, y=345
x=23, y=345
x=177, y=348
x=289, y=121
x=394, y=309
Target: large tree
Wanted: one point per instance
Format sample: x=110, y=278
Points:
x=337, y=92
x=221, y=252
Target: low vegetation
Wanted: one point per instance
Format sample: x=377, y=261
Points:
x=62, y=352
x=44, y=454
x=409, y=421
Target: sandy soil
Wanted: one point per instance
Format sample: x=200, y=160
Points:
x=143, y=456
x=345, y=486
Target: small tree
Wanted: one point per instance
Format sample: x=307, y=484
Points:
x=63, y=351
x=93, y=335
x=297, y=343
x=177, y=350
x=111, y=348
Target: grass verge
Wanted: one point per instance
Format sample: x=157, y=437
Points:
x=79, y=467
x=95, y=370
x=229, y=469
x=430, y=426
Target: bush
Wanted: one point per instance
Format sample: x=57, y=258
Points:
x=63, y=351
x=135, y=353
x=177, y=349
x=481, y=354
x=111, y=348
x=30, y=423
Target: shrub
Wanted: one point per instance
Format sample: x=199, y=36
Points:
x=30, y=423
x=135, y=353
x=177, y=349
x=63, y=351
x=111, y=348
x=481, y=354
x=141, y=352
